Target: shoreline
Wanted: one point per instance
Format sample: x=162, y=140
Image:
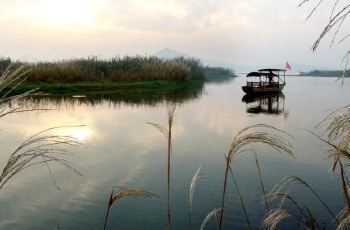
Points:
x=93, y=87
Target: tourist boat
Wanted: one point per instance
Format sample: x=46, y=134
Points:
x=265, y=81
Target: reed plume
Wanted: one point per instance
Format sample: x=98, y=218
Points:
x=197, y=176
x=336, y=126
x=276, y=138
x=124, y=192
x=194, y=182
x=281, y=195
x=40, y=148
x=336, y=21
x=210, y=215
x=10, y=79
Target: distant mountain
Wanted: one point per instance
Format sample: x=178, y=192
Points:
x=169, y=54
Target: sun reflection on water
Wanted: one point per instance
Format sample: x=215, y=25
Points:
x=80, y=133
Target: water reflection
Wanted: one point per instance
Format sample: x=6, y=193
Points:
x=268, y=104
x=121, y=149
x=118, y=98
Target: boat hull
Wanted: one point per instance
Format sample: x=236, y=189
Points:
x=262, y=90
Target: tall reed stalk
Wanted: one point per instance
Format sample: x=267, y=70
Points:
x=261, y=179
x=276, y=138
x=167, y=132
x=241, y=199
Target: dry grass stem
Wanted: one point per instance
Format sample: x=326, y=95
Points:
x=241, y=199
x=260, y=179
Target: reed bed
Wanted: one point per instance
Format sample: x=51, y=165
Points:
x=138, y=68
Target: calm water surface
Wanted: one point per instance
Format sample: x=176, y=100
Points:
x=121, y=149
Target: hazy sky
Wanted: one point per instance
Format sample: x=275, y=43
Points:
x=248, y=32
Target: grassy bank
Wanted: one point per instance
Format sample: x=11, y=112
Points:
x=84, y=76
x=117, y=69
x=87, y=88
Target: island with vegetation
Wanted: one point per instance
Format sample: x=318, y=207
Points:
x=326, y=73
x=138, y=73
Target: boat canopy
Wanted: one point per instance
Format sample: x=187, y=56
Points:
x=268, y=70
x=254, y=74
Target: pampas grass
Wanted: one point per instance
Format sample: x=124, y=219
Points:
x=259, y=133
x=280, y=195
x=194, y=182
x=10, y=79
x=337, y=127
x=274, y=217
x=41, y=148
x=123, y=193
x=336, y=20
x=197, y=176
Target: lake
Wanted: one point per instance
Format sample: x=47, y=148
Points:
x=121, y=149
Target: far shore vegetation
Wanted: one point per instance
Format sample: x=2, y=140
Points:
x=326, y=73
x=92, y=74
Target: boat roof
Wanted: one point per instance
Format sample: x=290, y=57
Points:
x=264, y=70
x=254, y=74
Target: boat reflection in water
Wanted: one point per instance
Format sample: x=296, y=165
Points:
x=268, y=103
